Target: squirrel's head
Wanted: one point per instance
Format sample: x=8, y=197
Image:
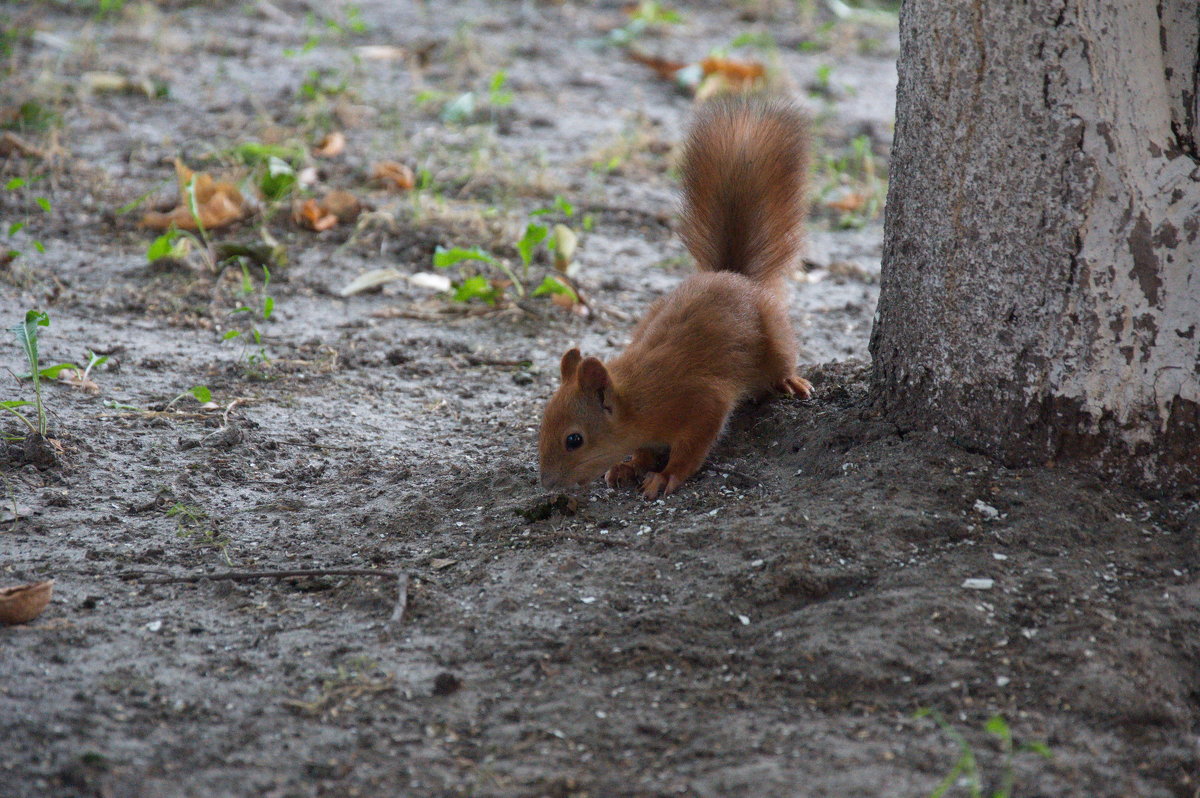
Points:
x=578, y=440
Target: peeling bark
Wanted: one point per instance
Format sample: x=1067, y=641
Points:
x=1041, y=285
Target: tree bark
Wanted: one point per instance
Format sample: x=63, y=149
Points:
x=1040, y=298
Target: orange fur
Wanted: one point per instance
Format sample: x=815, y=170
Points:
x=721, y=337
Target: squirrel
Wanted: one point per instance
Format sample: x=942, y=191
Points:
x=722, y=336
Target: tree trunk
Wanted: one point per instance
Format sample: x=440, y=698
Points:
x=1041, y=271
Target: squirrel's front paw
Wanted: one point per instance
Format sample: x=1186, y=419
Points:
x=654, y=483
x=621, y=475
x=795, y=386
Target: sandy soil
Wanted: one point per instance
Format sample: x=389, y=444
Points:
x=769, y=630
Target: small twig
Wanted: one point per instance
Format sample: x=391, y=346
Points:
x=249, y=576
x=746, y=478
x=228, y=410
x=476, y=360
x=316, y=445
x=401, y=600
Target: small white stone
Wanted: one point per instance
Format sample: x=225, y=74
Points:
x=986, y=510
x=1002, y=681
x=978, y=584
x=154, y=626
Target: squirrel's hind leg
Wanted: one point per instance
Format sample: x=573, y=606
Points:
x=779, y=354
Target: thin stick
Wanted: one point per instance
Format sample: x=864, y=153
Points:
x=249, y=576
x=401, y=600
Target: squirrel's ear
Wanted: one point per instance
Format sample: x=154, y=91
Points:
x=592, y=375
x=570, y=362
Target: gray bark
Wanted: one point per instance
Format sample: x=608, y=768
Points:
x=1041, y=276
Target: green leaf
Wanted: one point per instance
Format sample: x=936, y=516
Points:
x=15, y=228
x=15, y=183
x=201, y=392
x=253, y=153
x=39, y=246
x=52, y=372
x=278, y=180
x=268, y=307
x=15, y=403
x=477, y=287
x=230, y=335
x=1038, y=747
x=43, y=203
x=27, y=336
x=998, y=726
x=534, y=235
x=160, y=247
x=460, y=109
x=567, y=208
x=552, y=285
x=443, y=258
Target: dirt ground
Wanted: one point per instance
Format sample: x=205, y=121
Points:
x=770, y=630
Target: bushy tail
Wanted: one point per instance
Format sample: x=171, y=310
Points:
x=744, y=197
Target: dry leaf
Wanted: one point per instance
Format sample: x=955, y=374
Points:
x=75, y=379
x=565, y=244
x=734, y=71
x=393, y=175
x=218, y=203
x=372, y=279
x=439, y=564
x=665, y=69
x=330, y=146
x=380, y=52
x=849, y=203
x=23, y=603
x=309, y=214
x=342, y=204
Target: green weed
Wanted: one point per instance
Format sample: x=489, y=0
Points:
x=192, y=523
x=559, y=240
x=849, y=182
x=966, y=770
x=27, y=338
x=253, y=350
x=17, y=184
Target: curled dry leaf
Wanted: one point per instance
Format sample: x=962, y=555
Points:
x=342, y=204
x=23, y=603
x=331, y=145
x=218, y=203
x=309, y=214
x=565, y=244
x=392, y=175
x=713, y=75
x=335, y=207
x=848, y=203
x=76, y=379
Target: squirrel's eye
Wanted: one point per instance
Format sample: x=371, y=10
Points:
x=574, y=441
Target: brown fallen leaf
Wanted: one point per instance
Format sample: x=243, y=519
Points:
x=848, y=203
x=726, y=76
x=392, y=175
x=76, y=379
x=741, y=71
x=23, y=603
x=218, y=203
x=666, y=69
x=342, y=204
x=331, y=145
x=309, y=213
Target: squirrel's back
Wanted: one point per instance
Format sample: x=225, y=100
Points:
x=744, y=184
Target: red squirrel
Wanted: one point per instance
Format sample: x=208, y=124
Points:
x=721, y=337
